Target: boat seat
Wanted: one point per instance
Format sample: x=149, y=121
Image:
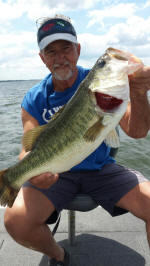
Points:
x=82, y=203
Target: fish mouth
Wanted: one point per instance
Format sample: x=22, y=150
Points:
x=106, y=102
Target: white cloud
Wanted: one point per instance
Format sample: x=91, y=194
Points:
x=74, y=4
x=135, y=32
x=114, y=11
x=23, y=66
x=16, y=45
x=17, y=38
x=147, y=4
x=12, y=9
x=41, y=8
x=132, y=36
x=19, y=52
x=92, y=45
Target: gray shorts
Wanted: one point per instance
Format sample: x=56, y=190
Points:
x=106, y=186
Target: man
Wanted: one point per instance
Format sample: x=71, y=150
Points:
x=115, y=188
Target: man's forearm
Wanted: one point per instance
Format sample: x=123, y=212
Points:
x=136, y=121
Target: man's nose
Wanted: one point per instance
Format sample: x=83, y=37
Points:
x=60, y=56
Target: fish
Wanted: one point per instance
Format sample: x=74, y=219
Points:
x=77, y=129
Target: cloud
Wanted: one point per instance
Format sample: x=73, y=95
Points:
x=16, y=45
x=22, y=65
x=70, y=5
x=132, y=36
x=19, y=52
x=17, y=38
x=92, y=45
x=10, y=10
x=135, y=32
x=147, y=4
x=34, y=9
x=114, y=11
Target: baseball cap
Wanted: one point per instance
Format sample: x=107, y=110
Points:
x=56, y=28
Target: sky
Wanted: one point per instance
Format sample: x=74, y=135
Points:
x=99, y=24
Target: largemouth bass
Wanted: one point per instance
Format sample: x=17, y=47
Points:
x=89, y=118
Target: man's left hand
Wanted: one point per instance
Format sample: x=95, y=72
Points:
x=140, y=81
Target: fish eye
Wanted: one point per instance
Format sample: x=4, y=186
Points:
x=101, y=62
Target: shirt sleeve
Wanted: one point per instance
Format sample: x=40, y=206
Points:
x=29, y=104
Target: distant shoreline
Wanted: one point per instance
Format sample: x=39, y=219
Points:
x=10, y=80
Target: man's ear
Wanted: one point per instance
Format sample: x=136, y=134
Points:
x=42, y=57
x=79, y=49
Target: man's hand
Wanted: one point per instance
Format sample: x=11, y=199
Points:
x=136, y=120
x=140, y=82
x=44, y=180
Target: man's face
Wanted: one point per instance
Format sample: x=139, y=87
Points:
x=61, y=58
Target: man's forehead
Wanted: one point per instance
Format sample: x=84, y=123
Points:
x=58, y=43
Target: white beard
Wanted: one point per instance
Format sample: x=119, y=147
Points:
x=60, y=73
x=63, y=76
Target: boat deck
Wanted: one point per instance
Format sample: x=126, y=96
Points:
x=100, y=241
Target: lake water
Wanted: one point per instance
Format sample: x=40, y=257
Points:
x=132, y=153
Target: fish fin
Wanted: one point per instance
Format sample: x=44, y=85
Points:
x=2, y=184
x=8, y=196
x=112, y=139
x=93, y=132
x=7, y=193
x=107, y=119
x=31, y=136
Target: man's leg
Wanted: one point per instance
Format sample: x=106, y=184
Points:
x=25, y=222
x=137, y=201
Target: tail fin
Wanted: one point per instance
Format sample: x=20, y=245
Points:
x=7, y=193
x=2, y=183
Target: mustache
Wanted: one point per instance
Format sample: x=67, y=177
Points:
x=66, y=63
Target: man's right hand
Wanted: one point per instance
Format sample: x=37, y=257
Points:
x=44, y=180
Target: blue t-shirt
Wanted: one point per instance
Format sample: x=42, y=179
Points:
x=42, y=102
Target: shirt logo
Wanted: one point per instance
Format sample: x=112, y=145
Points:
x=47, y=114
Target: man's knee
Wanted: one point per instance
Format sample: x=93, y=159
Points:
x=15, y=223
x=31, y=209
x=11, y=220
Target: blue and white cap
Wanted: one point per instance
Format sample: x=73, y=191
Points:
x=53, y=29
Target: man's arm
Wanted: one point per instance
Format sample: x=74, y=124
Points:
x=29, y=123
x=44, y=180
x=136, y=121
